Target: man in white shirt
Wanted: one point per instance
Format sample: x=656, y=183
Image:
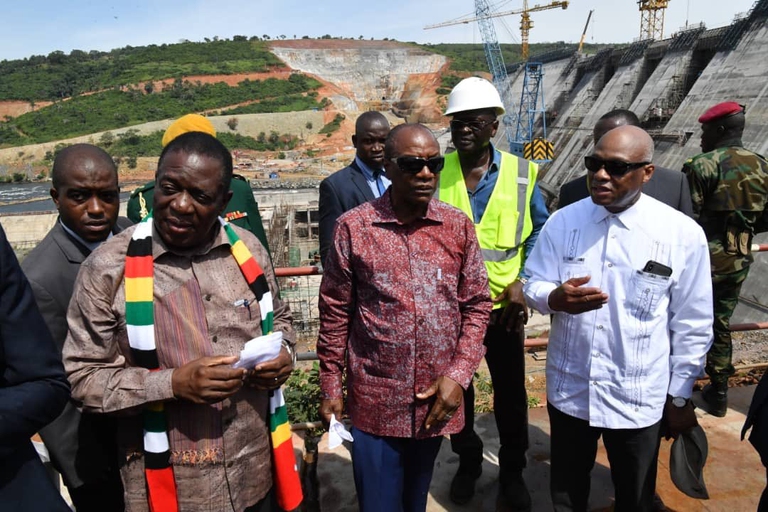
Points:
x=627, y=279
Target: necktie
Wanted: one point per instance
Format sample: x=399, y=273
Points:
x=380, y=184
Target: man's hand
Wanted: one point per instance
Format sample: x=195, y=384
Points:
x=571, y=297
x=515, y=313
x=271, y=374
x=207, y=380
x=330, y=407
x=677, y=420
x=449, y=395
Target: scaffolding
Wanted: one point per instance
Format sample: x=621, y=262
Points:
x=652, y=18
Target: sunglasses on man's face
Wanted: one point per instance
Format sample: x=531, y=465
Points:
x=414, y=165
x=476, y=125
x=613, y=167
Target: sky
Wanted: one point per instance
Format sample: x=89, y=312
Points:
x=38, y=28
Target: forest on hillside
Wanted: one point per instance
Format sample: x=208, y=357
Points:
x=470, y=58
x=116, y=108
x=58, y=75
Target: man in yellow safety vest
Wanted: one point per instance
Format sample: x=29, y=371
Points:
x=498, y=191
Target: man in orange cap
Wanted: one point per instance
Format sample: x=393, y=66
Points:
x=729, y=191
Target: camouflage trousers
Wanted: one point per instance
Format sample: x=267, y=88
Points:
x=725, y=295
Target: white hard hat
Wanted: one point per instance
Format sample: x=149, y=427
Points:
x=474, y=93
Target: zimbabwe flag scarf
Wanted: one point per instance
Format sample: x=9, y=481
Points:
x=139, y=316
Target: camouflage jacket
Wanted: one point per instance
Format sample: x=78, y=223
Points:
x=729, y=190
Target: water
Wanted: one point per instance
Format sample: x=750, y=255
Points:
x=30, y=197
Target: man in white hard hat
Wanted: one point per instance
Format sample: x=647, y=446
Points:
x=498, y=192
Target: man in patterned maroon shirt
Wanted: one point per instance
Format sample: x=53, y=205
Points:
x=404, y=304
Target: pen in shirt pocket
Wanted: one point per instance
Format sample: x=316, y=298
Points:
x=439, y=274
x=244, y=303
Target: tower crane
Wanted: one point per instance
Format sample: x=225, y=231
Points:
x=523, y=118
x=526, y=24
x=652, y=18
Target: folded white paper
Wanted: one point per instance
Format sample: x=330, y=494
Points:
x=337, y=433
x=258, y=350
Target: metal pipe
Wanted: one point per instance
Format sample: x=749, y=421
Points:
x=757, y=326
x=297, y=271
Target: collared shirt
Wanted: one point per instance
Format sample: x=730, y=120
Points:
x=91, y=246
x=401, y=305
x=220, y=452
x=614, y=366
x=371, y=175
x=480, y=197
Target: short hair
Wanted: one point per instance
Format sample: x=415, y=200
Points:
x=200, y=143
x=366, y=119
x=63, y=157
x=625, y=115
x=389, y=144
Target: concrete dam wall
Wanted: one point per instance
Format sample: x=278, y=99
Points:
x=668, y=84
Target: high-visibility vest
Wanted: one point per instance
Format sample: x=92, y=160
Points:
x=506, y=223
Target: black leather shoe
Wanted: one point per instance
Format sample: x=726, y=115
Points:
x=714, y=400
x=463, y=483
x=513, y=493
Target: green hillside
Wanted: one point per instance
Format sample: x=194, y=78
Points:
x=117, y=108
x=58, y=75
x=470, y=58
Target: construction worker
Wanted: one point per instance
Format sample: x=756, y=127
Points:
x=242, y=210
x=729, y=190
x=498, y=192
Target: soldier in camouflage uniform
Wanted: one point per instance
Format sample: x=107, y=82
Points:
x=729, y=189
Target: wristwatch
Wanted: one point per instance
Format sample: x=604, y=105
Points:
x=679, y=402
x=522, y=279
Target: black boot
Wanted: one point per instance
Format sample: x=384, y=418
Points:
x=513, y=493
x=715, y=399
x=463, y=483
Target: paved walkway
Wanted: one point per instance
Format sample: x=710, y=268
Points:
x=733, y=474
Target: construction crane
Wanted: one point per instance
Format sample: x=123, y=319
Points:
x=521, y=118
x=526, y=24
x=652, y=18
x=584, y=34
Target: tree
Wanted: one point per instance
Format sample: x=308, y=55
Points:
x=309, y=125
x=232, y=123
x=265, y=37
x=106, y=140
x=149, y=87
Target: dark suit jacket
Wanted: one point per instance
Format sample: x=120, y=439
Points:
x=340, y=192
x=33, y=391
x=757, y=420
x=82, y=448
x=668, y=186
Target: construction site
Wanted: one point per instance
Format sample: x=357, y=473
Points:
x=552, y=101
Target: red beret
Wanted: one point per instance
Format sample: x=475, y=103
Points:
x=721, y=110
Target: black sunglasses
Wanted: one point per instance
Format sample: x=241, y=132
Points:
x=414, y=165
x=612, y=167
x=475, y=126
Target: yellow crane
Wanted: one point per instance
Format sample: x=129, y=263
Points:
x=652, y=18
x=525, y=20
x=584, y=34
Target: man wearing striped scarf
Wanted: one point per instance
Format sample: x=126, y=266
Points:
x=159, y=314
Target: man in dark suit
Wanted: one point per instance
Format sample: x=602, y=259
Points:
x=668, y=186
x=362, y=181
x=33, y=391
x=86, y=193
